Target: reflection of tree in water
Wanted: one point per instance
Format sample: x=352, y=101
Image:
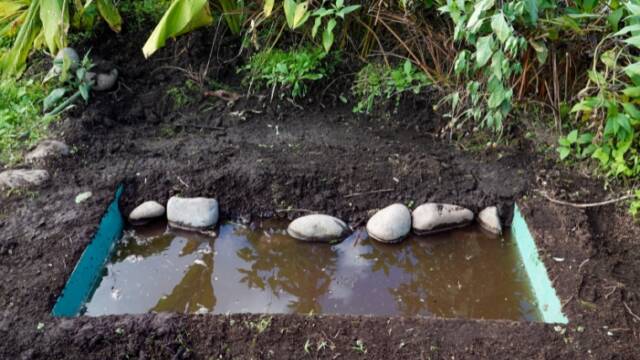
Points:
x=195, y=290
x=144, y=247
x=283, y=264
x=433, y=274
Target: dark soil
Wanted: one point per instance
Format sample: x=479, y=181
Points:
x=261, y=158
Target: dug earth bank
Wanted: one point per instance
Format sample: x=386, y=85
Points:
x=278, y=159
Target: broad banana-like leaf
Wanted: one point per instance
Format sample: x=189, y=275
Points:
x=12, y=27
x=268, y=7
x=11, y=8
x=13, y=61
x=54, y=15
x=110, y=14
x=181, y=17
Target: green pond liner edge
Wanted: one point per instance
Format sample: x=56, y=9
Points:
x=88, y=270
x=549, y=306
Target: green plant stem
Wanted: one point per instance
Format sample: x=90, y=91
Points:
x=60, y=108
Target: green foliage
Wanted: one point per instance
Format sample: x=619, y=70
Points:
x=233, y=13
x=579, y=144
x=331, y=14
x=21, y=122
x=380, y=83
x=181, y=17
x=35, y=23
x=72, y=79
x=611, y=98
x=138, y=12
x=492, y=57
x=289, y=71
x=634, y=207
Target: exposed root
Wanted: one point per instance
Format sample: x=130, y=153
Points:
x=584, y=205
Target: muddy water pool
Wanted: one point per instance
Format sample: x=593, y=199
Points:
x=259, y=269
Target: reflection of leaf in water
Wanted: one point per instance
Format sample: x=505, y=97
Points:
x=251, y=279
x=246, y=254
x=194, y=289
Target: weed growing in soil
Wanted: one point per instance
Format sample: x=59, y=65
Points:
x=379, y=83
x=360, y=347
x=289, y=71
x=21, y=122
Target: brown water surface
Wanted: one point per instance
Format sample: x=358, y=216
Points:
x=259, y=269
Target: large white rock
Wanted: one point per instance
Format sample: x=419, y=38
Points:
x=22, y=178
x=490, y=221
x=430, y=218
x=317, y=227
x=46, y=149
x=391, y=224
x=192, y=213
x=146, y=211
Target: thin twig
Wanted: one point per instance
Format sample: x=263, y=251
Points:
x=369, y=192
x=631, y=312
x=584, y=205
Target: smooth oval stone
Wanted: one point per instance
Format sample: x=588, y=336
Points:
x=22, y=178
x=192, y=213
x=103, y=81
x=71, y=54
x=391, y=224
x=490, y=220
x=317, y=227
x=431, y=218
x=147, y=210
x=46, y=149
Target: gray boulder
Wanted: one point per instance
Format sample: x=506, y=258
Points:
x=490, y=220
x=146, y=211
x=431, y=218
x=317, y=227
x=391, y=224
x=192, y=213
x=23, y=178
x=47, y=149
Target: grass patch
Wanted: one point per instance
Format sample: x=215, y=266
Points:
x=21, y=122
x=289, y=71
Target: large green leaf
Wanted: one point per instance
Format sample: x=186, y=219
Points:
x=54, y=15
x=500, y=27
x=296, y=13
x=110, y=14
x=13, y=61
x=181, y=17
x=484, y=50
x=268, y=7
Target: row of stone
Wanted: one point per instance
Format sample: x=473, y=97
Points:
x=389, y=225
x=393, y=223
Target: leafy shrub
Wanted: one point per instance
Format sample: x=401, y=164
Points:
x=380, y=83
x=608, y=105
x=290, y=71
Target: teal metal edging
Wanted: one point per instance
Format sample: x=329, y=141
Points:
x=549, y=305
x=89, y=268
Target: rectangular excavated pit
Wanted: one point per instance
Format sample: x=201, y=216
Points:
x=259, y=269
